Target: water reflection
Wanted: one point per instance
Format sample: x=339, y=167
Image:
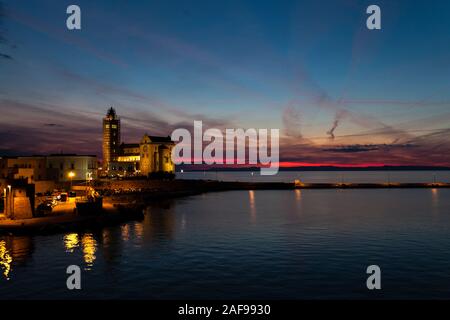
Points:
x=13, y=251
x=71, y=241
x=282, y=250
x=183, y=221
x=88, y=245
x=112, y=246
x=138, y=230
x=251, y=201
x=298, y=194
x=5, y=260
x=435, y=202
x=125, y=231
x=435, y=196
x=159, y=223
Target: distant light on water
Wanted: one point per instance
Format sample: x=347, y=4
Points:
x=298, y=194
x=251, y=198
x=435, y=196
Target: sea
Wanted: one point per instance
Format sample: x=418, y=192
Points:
x=253, y=244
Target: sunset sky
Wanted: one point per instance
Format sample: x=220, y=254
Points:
x=339, y=93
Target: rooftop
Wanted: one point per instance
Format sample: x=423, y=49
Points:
x=160, y=139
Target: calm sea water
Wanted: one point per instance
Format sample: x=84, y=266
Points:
x=323, y=176
x=309, y=244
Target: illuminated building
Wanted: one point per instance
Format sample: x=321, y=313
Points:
x=111, y=138
x=156, y=154
x=152, y=154
x=31, y=168
x=60, y=165
x=55, y=167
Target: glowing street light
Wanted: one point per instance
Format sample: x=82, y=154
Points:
x=71, y=175
x=9, y=202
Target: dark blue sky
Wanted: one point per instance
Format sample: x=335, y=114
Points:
x=301, y=66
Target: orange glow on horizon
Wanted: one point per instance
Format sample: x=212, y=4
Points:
x=291, y=164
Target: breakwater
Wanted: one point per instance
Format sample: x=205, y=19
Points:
x=138, y=191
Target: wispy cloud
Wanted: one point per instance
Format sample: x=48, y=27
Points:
x=61, y=34
x=2, y=33
x=292, y=122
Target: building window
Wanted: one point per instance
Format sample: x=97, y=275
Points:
x=72, y=166
x=61, y=166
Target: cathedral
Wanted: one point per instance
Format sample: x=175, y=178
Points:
x=152, y=154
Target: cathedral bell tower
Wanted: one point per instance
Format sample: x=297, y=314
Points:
x=111, y=138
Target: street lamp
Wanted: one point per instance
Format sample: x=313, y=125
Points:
x=71, y=175
x=10, y=202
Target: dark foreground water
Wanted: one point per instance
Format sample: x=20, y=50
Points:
x=249, y=244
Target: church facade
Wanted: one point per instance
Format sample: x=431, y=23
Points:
x=152, y=154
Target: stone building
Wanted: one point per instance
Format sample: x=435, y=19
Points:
x=152, y=154
x=111, y=138
x=66, y=167
x=156, y=155
x=55, y=167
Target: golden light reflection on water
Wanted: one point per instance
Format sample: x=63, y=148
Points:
x=89, y=245
x=71, y=241
x=125, y=231
x=5, y=260
x=139, y=230
x=251, y=199
x=435, y=197
x=298, y=194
